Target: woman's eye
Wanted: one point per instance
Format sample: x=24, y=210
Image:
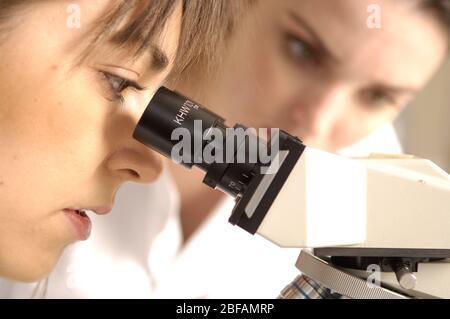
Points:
x=118, y=84
x=298, y=49
x=379, y=98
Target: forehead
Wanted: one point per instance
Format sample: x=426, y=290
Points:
x=130, y=29
x=408, y=46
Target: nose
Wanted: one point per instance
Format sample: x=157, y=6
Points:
x=135, y=163
x=320, y=109
x=132, y=161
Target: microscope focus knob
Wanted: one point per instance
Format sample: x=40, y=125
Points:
x=405, y=277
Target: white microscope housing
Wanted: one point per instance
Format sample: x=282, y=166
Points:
x=389, y=211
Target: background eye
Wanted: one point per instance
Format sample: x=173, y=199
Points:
x=299, y=49
x=378, y=97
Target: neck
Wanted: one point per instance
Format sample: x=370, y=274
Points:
x=196, y=199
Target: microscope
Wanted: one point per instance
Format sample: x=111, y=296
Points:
x=375, y=227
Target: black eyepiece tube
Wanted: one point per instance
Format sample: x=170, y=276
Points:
x=235, y=160
x=170, y=117
x=169, y=112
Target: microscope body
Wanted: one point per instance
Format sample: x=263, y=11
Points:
x=391, y=214
x=386, y=214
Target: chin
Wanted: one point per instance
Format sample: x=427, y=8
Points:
x=29, y=268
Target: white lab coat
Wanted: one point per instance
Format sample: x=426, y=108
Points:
x=135, y=252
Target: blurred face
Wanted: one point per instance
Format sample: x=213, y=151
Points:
x=315, y=69
x=65, y=138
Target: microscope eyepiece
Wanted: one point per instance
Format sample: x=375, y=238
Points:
x=187, y=133
x=236, y=160
x=169, y=113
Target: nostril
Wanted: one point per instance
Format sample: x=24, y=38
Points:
x=134, y=165
x=132, y=173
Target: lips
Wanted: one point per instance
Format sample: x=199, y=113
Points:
x=80, y=222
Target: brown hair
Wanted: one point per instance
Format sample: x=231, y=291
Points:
x=205, y=26
x=441, y=8
x=215, y=19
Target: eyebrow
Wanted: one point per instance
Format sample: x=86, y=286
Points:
x=317, y=39
x=320, y=44
x=159, y=59
x=396, y=89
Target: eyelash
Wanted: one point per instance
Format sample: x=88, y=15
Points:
x=122, y=86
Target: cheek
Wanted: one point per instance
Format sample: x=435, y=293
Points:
x=253, y=88
x=50, y=126
x=52, y=144
x=356, y=125
x=51, y=138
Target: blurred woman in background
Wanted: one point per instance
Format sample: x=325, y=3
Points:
x=333, y=73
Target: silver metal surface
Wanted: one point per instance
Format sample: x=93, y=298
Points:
x=303, y=287
x=264, y=185
x=406, y=278
x=341, y=282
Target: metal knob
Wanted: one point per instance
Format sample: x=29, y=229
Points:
x=405, y=277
